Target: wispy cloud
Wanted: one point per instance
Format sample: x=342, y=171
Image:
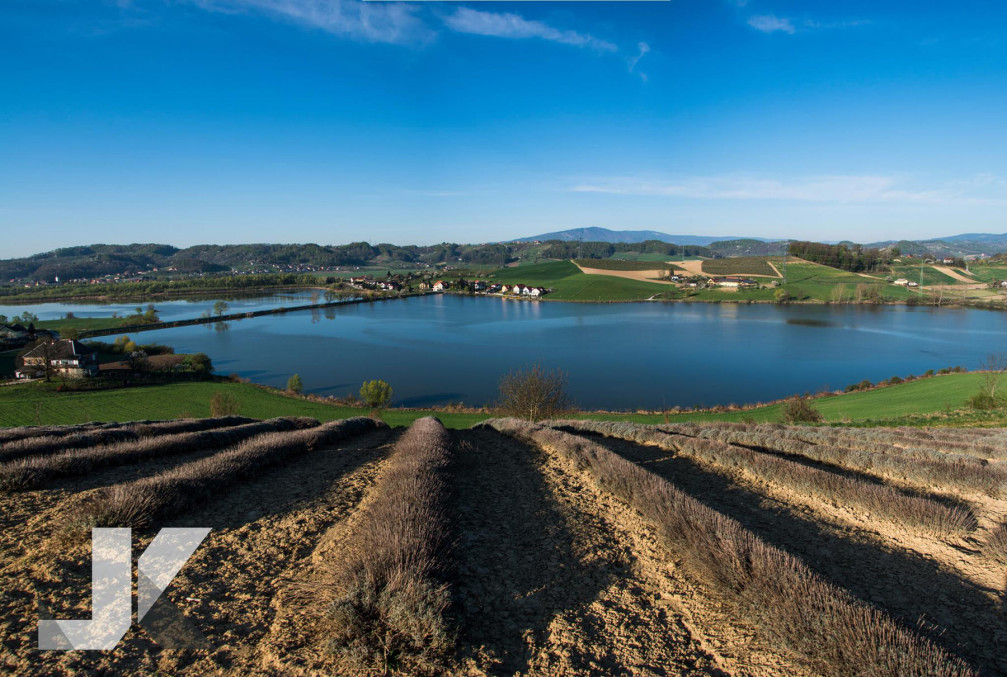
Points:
x=768, y=23
x=513, y=26
x=391, y=22
x=981, y=189
x=643, y=48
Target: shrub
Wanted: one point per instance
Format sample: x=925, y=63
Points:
x=800, y=410
x=295, y=385
x=534, y=394
x=376, y=394
x=223, y=403
x=983, y=401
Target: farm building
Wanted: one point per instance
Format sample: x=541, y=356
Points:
x=736, y=282
x=65, y=358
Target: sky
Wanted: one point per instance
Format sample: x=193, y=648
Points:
x=331, y=121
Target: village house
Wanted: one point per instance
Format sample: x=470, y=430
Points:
x=66, y=358
x=438, y=285
x=901, y=282
x=736, y=282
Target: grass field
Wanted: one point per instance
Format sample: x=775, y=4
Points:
x=742, y=265
x=930, y=275
x=29, y=404
x=84, y=323
x=569, y=284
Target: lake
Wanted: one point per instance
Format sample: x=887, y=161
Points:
x=179, y=309
x=440, y=349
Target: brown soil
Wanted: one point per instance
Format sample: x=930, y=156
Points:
x=639, y=275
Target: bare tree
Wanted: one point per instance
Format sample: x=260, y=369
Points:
x=993, y=368
x=534, y=393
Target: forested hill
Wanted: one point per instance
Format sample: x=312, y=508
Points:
x=92, y=261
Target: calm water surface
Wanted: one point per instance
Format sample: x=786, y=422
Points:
x=440, y=349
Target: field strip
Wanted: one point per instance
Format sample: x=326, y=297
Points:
x=639, y=275
x=950, y=272
x=262, y=530
x=885, y=567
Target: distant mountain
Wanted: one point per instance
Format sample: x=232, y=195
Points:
x=966, y=244
x=628, y=236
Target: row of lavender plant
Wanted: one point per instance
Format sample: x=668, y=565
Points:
x=838, y=633
x=935, y=470
x=141, y=502
x=915, y=512
x=48, y=444
x=386, y=594
x=36, y=471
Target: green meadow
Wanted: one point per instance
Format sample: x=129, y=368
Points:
x=41, y=404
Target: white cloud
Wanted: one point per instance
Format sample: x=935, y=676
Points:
x=768, y=23
x=391, y=22
x=981, y=189
x=513, y=26
x=644, y=48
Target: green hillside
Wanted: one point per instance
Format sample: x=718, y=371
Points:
x=570, y=284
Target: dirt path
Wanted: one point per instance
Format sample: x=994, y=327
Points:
x=639, y=275
x=872, y=566
x=954, y=274
x=261, y=530
x=557, y=578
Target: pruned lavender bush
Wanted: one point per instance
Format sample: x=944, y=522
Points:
x=922, y=467
x=34, y=471
x=48, y=444
x=838, y=633
x=916, y=512
x=387, y=596
x=139, y=503
x=996, y=544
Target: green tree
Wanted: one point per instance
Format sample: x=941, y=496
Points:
x=376, y=394
x=199, y=363
x=220, y=307
x=295, y=385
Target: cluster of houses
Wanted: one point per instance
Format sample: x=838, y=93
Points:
x=481, y=287
x=64, y=358
x=364, y=282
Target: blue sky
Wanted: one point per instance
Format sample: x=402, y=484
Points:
x=225, y=121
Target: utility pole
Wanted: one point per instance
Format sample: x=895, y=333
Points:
x=786, y=253
x=921, y=276
x=580, y=247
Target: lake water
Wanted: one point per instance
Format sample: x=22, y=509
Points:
x=167, y=310
x=440, y=349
